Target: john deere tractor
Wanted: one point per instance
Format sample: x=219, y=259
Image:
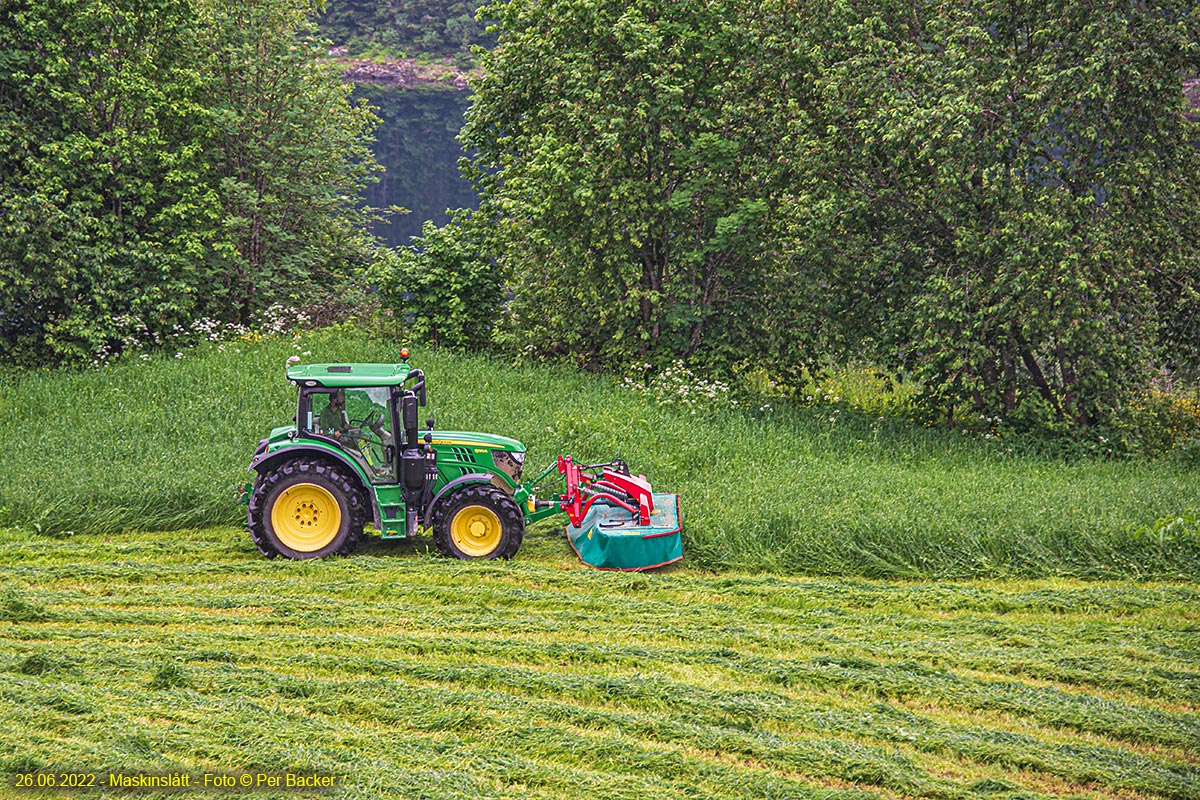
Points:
x=356, y=454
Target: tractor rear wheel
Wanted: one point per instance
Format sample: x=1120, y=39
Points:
x=305, y=508
x=478, y=521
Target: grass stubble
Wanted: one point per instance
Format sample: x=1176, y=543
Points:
x=408, y=675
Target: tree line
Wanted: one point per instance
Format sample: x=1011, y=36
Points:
x=997, y=198
x=165, y=161
x=408, y=27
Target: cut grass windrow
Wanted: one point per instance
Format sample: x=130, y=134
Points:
x=413, y=676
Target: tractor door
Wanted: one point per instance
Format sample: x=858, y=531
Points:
x=361, y=421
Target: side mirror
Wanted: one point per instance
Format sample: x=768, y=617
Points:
x=419, y=387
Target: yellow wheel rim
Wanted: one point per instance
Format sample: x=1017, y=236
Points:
x=306, y=517
x=476, y=531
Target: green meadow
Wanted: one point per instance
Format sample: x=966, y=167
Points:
x=866, y=608
x=162, y=444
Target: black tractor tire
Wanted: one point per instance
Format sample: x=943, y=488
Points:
x=326, y=516
x=478, y=521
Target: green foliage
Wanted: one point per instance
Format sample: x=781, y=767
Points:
x=440, y=27
x=290, y=156
x=994, y=199
x=163, y=162
x=1010, y=189
x=1159, y=420
x=407, y=675
x=105, y=203
x=624, y=158
x=442, y=290
x=1183, y=528
x=863, y=388
x=677, y=385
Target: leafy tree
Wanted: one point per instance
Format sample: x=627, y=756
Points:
x=105, y=203
x=624, y=155
x=289, y=154
x=998, y=198
x=1012, y=190
x=164, y=161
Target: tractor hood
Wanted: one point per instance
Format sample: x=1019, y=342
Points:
x=483, y=441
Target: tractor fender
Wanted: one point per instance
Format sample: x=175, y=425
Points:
x=267, y=461
x=474, y=477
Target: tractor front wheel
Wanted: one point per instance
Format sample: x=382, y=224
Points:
x=305, y=508
x=478, y=521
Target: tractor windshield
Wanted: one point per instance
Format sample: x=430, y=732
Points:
x=360, y=421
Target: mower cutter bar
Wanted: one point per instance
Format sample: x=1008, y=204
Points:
x=616, y=520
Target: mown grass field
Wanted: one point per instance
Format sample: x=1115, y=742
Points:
x=161, y=445
x=409, y=675
x=141, y=632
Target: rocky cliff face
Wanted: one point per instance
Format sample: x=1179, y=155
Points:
x=404, y=73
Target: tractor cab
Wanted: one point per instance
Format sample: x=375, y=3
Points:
x=359, y=408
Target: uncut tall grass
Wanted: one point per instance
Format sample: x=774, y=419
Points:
x=162, y=444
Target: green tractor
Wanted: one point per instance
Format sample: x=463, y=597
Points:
x=356, y=454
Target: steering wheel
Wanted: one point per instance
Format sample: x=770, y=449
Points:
x=361, y=433
x=372, y=419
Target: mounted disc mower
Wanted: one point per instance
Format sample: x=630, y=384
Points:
x=356, y=454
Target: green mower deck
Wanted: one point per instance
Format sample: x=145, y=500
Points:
x=610, y=538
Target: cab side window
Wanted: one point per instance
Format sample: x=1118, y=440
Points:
x=360, y=421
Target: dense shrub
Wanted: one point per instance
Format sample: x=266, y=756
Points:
x=167, y=161
x=995, y=200
x=442, y=289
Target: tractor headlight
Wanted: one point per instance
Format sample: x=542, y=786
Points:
x=511, y=462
